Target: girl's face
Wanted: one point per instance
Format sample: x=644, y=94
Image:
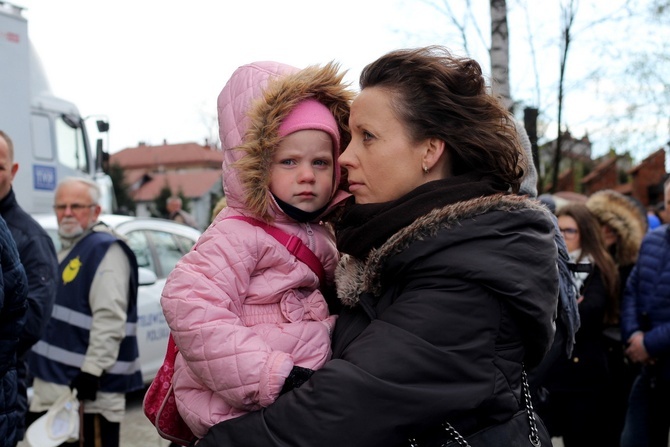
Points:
x=302, y=170
x=570, y=231
x=382, y=162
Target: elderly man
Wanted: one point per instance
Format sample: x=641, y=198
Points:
x=176, y=213
x=90, y=343
x=38, y=256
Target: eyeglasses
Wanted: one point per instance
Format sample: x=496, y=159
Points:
x=569, y=233
x=75, y=207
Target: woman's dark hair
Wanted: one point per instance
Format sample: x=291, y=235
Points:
x=439, y=95
x=593, y=245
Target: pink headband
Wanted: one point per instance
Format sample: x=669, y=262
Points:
x=310, y=114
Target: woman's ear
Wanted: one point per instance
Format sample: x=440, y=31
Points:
x=432, y=158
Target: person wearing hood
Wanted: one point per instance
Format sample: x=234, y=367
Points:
x=623, y=226
x=249, y=318
x=448, y=280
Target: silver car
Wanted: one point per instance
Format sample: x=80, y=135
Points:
x=158, y=244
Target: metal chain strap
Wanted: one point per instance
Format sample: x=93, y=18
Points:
x=533, y=437
x=455, y=435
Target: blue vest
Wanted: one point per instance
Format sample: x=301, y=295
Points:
x=59, y=355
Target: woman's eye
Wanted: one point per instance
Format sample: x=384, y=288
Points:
x=367, y=136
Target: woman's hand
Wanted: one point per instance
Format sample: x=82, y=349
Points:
x=636, y=351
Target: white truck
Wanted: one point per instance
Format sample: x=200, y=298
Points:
x=49, y=135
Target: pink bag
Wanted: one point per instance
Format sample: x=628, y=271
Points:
x=159, y=402
x=160, y=406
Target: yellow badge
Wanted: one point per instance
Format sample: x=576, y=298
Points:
x=71, y=270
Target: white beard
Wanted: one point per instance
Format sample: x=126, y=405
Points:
x=70, y=229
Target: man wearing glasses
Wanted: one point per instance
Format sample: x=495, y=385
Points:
x=90, y=344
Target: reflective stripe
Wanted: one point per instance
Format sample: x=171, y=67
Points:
x=81, y=320
x=76, y=360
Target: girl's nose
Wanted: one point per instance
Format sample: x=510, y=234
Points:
x=306, y=174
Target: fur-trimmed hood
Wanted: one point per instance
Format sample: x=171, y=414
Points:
x=625, y=218
x=251, y=108
x=354, y=277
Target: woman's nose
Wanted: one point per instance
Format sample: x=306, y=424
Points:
x=344, y=158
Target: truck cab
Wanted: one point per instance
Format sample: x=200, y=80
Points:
x=49, y=135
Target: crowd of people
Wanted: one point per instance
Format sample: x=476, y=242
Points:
x=381, y=272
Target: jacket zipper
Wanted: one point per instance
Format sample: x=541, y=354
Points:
x=310, y=236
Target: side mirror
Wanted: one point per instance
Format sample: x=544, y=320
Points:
x=146, y=276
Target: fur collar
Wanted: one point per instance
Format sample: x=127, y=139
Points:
x=266, y=114
x=354, y=276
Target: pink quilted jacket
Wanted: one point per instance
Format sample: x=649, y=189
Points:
x=241, y=308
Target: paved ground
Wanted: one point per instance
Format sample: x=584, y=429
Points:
x=136, y=430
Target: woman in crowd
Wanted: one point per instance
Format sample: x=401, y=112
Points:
x=576, y=407
x=623, y=226
x=448, y=281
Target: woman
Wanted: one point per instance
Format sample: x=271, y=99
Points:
x=577, y=408
x=448, y=282
x=623, y=226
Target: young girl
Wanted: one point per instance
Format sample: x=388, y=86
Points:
x=248, y=317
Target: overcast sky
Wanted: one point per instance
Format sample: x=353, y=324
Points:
x=155, y=67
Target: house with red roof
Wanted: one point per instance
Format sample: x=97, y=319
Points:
x=189, y=169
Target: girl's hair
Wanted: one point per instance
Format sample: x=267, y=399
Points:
x=439, y=95
x=593, y=245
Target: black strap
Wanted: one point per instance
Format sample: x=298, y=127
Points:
x=580, y=268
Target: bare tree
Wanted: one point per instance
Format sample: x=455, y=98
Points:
x=568, y=13
x=499, y=53
x=627, y=118
x=462, y=21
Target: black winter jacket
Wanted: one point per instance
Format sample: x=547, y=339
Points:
x=38, y=256
x=438, y=323
x=13, y=290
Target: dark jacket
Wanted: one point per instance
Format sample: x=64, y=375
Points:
x=38, y=256
x=646, y=303
x=586, y=368
x=436, y=326
x=13, y=290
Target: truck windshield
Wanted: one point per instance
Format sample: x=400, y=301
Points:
x=71, y=150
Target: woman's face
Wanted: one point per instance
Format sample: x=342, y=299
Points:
x=609, y=235
x=570, y=231
x=382, y=163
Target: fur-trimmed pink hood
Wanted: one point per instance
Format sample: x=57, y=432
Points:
x=251, y=107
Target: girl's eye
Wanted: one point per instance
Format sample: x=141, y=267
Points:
x=321, y=163
x=287, y=162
